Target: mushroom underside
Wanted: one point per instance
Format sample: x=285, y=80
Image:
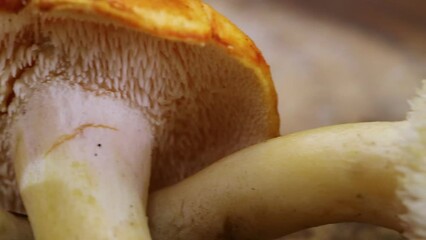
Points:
x=200, y=103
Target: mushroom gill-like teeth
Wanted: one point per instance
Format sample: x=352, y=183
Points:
x=413, y=170
x=13, y=59
x=174, y=65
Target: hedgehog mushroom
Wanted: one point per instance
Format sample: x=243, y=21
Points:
x=94, y=92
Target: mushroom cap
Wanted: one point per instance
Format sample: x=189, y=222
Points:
x=223, y=99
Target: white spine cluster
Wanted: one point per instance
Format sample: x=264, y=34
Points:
x=412, y=177
x=13, y=59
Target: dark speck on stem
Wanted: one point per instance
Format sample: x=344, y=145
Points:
x=359, y=196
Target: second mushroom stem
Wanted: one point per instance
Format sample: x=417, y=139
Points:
x=83, y=164
x=334, y=174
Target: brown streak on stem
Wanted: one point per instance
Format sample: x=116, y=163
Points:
x=66, y=137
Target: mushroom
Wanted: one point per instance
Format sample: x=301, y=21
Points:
x=362, y=172
x=94, y=92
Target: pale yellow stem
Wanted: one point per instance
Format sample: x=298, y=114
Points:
x=334, y=174
x=83, y=165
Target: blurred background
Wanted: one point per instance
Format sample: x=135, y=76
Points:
x=337, y=61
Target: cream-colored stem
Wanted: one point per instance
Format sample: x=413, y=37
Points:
x=334, y=174
x=82, y=164
x=14, y=227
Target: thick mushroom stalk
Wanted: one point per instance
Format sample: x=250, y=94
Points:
x=79, y=175
x=365, y=172
x=335, y=174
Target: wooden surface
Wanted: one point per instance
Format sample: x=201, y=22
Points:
x=338, y=61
